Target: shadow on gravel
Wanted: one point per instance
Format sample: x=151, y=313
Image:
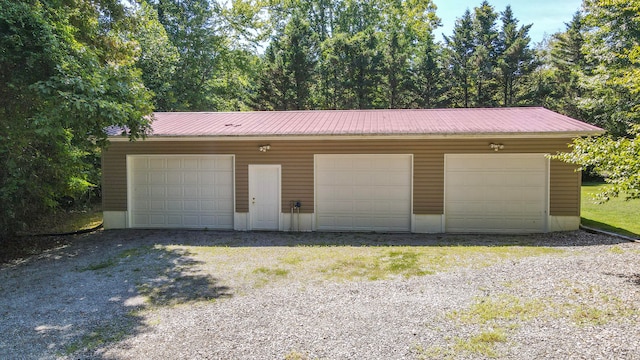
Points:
x=264, y=239
x=174, y=285
x=630, y=278
x=74, y=301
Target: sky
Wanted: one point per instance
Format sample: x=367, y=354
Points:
x=547, y=16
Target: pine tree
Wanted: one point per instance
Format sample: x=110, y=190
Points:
x=485, y=37
x=515, y=58
x=459, y=52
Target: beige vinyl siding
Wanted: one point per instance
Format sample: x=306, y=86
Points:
x=564, y=192
x=296, y=159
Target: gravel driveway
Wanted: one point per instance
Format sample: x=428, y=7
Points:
x=176, y=295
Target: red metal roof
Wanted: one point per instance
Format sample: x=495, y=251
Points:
x=526, y=120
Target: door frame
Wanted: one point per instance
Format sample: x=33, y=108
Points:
x=251, y=178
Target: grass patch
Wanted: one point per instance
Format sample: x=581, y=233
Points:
x=100, y=336
x=295, y=355
x=124, y=255
x=381, y=265
x=67, y=221
x=483, y=343
x=592, y=306
x=616, y=215
x=271, y=272
x=311, y=263
x=501, y=308
x=616, y=250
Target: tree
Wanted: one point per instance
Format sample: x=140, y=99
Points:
x=428, y=79
x=405, y=24
x=612, y=45
x=567, y=63
x=459, y=51
x=484, y=56
x=66, y=73
x=617, y=160
x=289, y=65
x=193, y=28
x=612, y=48
x=213, y=42
x=158, y=57
x=515, y=58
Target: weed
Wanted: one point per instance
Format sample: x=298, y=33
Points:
x=135, y=252
x=271, y=272
x=295, y=355
x=313, y=262
x=292, y=259
x=432, y=352
x=504, y=307
x=583, y=315
x=404, y=263
x=482, y=344
x=616, y=250
x=98, y=266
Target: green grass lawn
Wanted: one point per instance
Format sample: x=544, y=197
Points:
x=67, y=221
x=616, y=215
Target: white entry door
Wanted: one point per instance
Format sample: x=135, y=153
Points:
x=264, y=197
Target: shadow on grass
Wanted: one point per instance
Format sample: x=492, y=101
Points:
x=176, y=285
x=606, y=227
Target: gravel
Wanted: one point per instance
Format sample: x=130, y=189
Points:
x=113, y=295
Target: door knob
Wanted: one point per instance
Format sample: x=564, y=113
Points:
x=253, y=200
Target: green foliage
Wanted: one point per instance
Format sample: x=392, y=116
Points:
x=71, y=68
x=288, y=68
x=488, y=66
x=596, y=66
x=616, y=160
x=66, y=73
x=612, y=47
x=458, y=53
x=593, y=67
x=158, y=57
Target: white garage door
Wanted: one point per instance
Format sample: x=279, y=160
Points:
x=496, y=193
x=363, y=192
x=185, y=191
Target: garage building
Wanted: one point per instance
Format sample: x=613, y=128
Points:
x=426, y=171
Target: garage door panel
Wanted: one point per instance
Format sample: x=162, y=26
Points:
x=363, y=178
x=495, y=193
x=155, y=164
x=194, y=191
x=223, y=177
x=190, y=178
x=363, y=192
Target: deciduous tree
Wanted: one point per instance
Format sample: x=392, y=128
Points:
x=67, y=72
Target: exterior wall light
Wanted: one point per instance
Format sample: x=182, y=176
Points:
x=496, y=147
x=264, y=148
